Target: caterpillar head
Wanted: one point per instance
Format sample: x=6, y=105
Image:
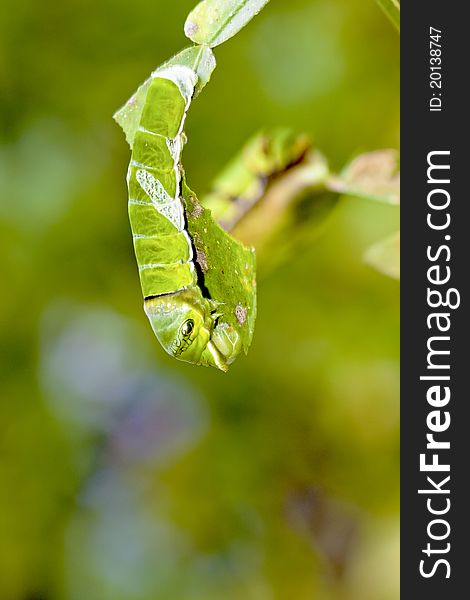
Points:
x=185, y=325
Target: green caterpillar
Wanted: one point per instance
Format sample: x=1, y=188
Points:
x=185, y=321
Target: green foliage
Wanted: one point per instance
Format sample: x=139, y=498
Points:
x=213, y=22
x=242, y=185
x=277, y=174
x=374, y=176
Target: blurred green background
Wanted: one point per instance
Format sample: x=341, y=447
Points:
x=126, y=475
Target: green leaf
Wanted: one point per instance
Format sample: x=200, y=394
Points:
x=213, y=22
x=199, y=58
x=385, y=256
x=227, y=266
x=373, y=175
x=242, y=183
x=392, y=9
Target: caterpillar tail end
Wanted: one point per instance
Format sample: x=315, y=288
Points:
x=223, y=347
x=212, y=357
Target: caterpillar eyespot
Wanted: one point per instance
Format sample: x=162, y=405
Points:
x=187, y=327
